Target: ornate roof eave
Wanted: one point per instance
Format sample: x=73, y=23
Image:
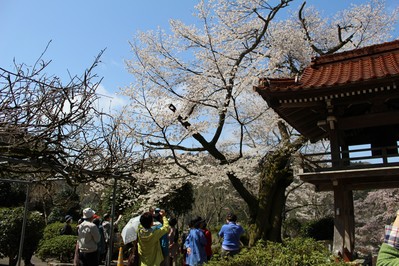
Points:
x=336, y=82
x=275, y=98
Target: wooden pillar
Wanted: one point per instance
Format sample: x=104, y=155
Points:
x=345, y=158
x=344, y=221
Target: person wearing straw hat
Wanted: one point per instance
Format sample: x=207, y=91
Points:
x=88, y=237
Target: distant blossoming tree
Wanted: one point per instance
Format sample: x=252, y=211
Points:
x=373, y=211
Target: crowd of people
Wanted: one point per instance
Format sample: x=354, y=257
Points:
x=157, y=242
x=93, y=237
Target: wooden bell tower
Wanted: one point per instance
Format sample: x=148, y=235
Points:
x=352, y=100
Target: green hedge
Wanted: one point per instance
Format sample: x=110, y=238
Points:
x=61, y=248
x=52, y=230
x=54, y=246
x=11, y=220
x=297, y=251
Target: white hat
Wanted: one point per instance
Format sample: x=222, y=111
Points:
x=88, y=213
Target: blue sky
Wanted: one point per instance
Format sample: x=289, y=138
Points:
x=79, y=30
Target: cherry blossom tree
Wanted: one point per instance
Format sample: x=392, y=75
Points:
x=192, y=93
x=373, y=211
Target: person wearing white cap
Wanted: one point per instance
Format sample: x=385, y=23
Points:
x=88, y=238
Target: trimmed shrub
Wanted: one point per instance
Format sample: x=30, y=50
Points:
x=298, y=251
x=11, y=220
x=61, y=248
x=54, y=246
x=54, y=229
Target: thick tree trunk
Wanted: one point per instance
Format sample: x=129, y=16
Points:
x=275, y=177
x=267, y=208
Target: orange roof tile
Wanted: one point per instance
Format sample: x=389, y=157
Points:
x=336, y=83
x=341, y=69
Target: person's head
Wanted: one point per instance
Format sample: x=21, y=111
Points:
x=195, y=223
x=146, y=220
x=68, y=218
x=157, y=217
x=203, y=224
x=191, y=223
x=106, y=217
x=231, y=217
x=172, y=221
x=198, y=222
x=88, y=214
x=96, y=221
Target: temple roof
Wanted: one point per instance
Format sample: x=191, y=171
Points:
x=342, y=69
x=342, y=79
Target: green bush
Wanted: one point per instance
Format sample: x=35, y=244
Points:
x=298, y=251
x=53, y=230
x=55, y=246
x=60, y=247
x=11, y=220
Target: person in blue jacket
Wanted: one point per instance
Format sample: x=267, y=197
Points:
x=195, y=244
x=231, y=232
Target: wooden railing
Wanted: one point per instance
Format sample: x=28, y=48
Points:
x=358, y=158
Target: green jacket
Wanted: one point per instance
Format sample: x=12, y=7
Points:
x=150, y=251
x=388, y=256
